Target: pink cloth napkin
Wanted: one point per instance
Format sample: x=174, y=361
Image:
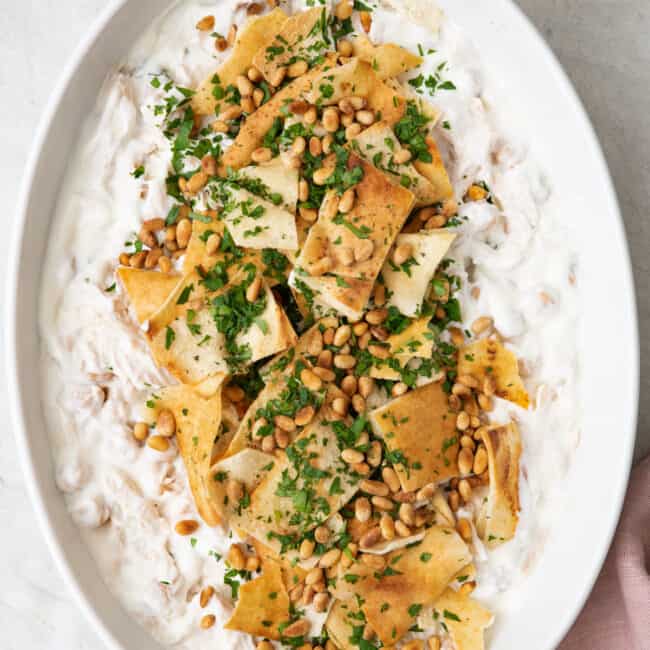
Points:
x=617, y=614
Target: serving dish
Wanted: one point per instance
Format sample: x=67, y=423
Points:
x=563, y=576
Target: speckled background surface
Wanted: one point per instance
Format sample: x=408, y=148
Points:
x=603, y=45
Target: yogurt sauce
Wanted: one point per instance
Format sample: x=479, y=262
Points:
x=97, y=368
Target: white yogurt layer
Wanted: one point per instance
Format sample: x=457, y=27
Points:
x=97, y=368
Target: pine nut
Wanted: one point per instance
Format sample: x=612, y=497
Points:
x=467, y=588
x=374, y=454
x=366, y=386
x=268, y=444
x=390, y=479
x=258, y=97
x=434, y=643
x=402, y=156
x=345, y=361
x=454, y=500
x=365, y=117
x=308, y=214
x=402, y=529
x=220, y=126
x=183, y=232
x=344, y=48
x=208, y=621
x=352, y=456
x=460, y=390
x=321, y=267
x=399, y=389
x=159, y=443
x=244, y=86
x=349, y=385
x=277, y=77
x=213, y=243
x=153, y=225
x=267, y=645
x=480, y=460
x=379, y=351
x=299, y=146
x=402, y=253
x=306, y=548
x=346, y=204
x=342, y=336
x=366, y=21
x=310, y=116
x=281, y=438
x=466, y=441
x=232, y=34
x=465, y=489
x=331, y=119
x=322, y=175
x=325, y=374
x=311, y=380
x=377, y=316
x=387, y=526
x=407, y=514
x=370, y=538
x=141, y=431
x=254, y=74
x=346, y=255
x=352, y=130
x=166, y=423
x=340, y=406
x=489, y=386
x=322, y=535
x=297, y=69
x=363, y=250
x=299, y=628
x=308, y=595
x=374, y=488
x=313, y=576
x=464, y=529
x=465, y=461
x=358, y=403
x=382, y=503
x=186, y=527
x=321, y=602
x=485, y=402
x=206, y=595
x=252, y=563
x=375, y=562
x=261, y=155
x=362, y=509
x=462, y=421
x=343, y=10
x=236, y=558
x=330, y=558
x=197, y=182
x=482, y=324
x=468, y=380
x=206, y=24
x=426, y=493
x=234, y=491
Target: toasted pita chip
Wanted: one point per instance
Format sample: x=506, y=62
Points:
x=410, y=287
x=147, y=290
x=435, y=171
x=257, y=33
x=263, y=605
x=184, y=338
x=420, y=429
x=299, y=38
x=378, y=145
x=252, y=131
x=342, y=620
x=199, y=436
x=347, y=296
x=275, y=178
x=465, y=619
x=488, y=356
x=387, y=60
x=497, y=521
x=378, y=215
x=255, y=222
x=414, y=578
x=359, y=79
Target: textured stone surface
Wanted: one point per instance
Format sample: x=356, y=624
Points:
x=604, y=46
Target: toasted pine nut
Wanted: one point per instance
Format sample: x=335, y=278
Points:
x=345, y=361
x=299, y=146
x=141, y=431
x=346, y=204
x=213, y=244
x=434, y=643
x=402, y=253
x=254, y=288
x=311, y=115
x=297, y=69
x=331, y=119
x=365, y=117
x=236, y=558
x=374, y=488
x=330, y=558
x=374, y=454
x=362, y=509
x=281, y=438
x=303, y=189
x=209, y=165
x=183, y=232
x=351, y=456
x=322, y=175
x=465, y=461
x=321, y=602
x=379, y=295
x=382, y=503
x=402, y=156
x=387, y=526
x=480, y=460
x=186, y=527
x=363, y=250
x=343, y=10
x=308, y=214
x=462, y=421
x=166, y=423
x=285, y=423
x=299, y=628
x=205, y=24
x=340, y=406
x=315, y=575
x=234, y=491
x=407, y=514
x=206, y=595
x=278, y=77
x=268, y=444
x=208, y=621
x=366, y=386
x=352, y=130
x=304, y=416
x=349, y=385
x=366, y=20
x=464, y=529
x=379, y=351
x=399, y=389
x=254, y=74
x=306, y=548
x=244, y=86
x=485, y=402
x=465, y=489
x=344, y=48
x=220, y=126
x=159, y=443
x=482, y=324
x=324, y=373
x=370, y=538
x=402, y=529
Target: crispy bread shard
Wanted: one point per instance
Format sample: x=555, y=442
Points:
x=198, y=435
x=184, y=338
x=465, y=619
x=410, y=580
x=299, y=38
x=378, y=215
x=497, y=522
x=379, y=146
x=342, y=620
x=435, y=172
x=147, y=290
x=490, y=357
x=263, y=605
x=359, y=79
x=275, y=179
x=387, y=60
x=257, y=33
x=420, y=430
x=410, y=288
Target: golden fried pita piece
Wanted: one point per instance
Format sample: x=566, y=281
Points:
x=465, y=619
x=489, y=357
x=414, y=576
x=263, y=605
x=252, y=131
x=435, y=172
x=409, y=290
x=387, y=60
x=341, y=621
x=198, y=434
x=497, y=521
x=275, y=178
x=291, y=574
x=359, y=79
x=177, y=332
x=257, y=33
x=378, y=145
x=299, y=37
x=421, y=427
x=348, y=296
x=147, y=290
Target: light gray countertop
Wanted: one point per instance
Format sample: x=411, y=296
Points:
x=603, y=45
